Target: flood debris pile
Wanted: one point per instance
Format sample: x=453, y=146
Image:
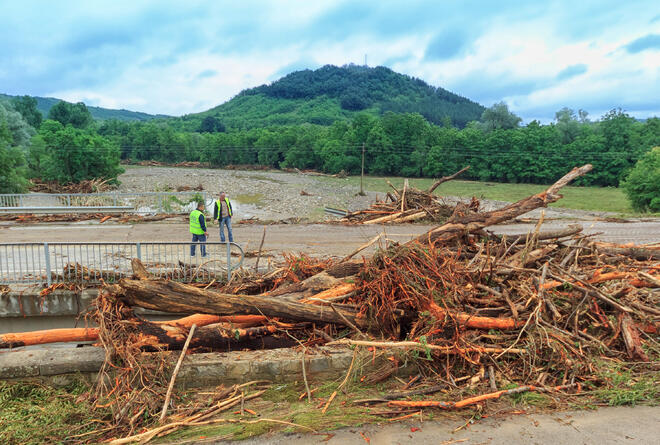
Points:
x=539, y=311
x=408, y=205
x=85, y=186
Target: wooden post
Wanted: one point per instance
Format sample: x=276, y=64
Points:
x=362, y=173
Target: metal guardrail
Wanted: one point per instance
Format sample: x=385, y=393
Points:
x=147, y=202
x=48, y=263
x=59, y=209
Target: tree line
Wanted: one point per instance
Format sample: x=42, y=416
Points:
x=69, y=146
x=406, y=144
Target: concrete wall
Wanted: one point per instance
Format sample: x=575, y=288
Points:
x=25, y=311
x=198, y=370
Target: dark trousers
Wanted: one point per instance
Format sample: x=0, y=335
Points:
x=201, y=239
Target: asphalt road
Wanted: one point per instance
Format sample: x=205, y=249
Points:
x=621, y=425
x=319, y=239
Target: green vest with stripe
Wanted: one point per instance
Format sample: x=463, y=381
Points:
x=217, y=203
x=195, y=226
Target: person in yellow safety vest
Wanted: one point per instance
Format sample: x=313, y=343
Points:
x=222, y=212
x=198, y=229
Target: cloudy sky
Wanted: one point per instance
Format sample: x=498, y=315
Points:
x=177, y=57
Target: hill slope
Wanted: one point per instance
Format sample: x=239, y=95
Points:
x=44, y=104
x=333, y=93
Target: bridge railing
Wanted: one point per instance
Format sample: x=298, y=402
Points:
x=143, y=202
x=91, y=262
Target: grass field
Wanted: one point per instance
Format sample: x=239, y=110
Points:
x=600, y=199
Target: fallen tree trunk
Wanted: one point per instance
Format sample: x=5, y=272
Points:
x=460, y=225
x=445, y=179
x=216, y=337
x=176, y=297
x=73, y=335
x=572, y=229
x=16, y=340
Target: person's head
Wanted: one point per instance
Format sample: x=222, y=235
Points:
x=200, y=206
x=222, y=195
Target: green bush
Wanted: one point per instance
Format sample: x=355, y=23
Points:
x=643, y=183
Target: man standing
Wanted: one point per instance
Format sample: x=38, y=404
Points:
x=223, y=213
x=198, y=229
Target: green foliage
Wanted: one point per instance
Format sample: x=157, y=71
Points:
x=68, y=154
x=12, y=161
x=12, y=170
x=27, y=106
x=67, y=113
x=642, y=186
x=17, y=132
x=34, y=414
x=624, y=389
x=333, y=93
x=498, y=117
x=211, y=124
x=44, y=104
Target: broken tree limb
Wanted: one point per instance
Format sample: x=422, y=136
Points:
x=474, y=321
x=206, y=319
x=459, y=225
x=176, y=297
x=171, y=335
x=401, y=395
x=15, y=340
x=630, y=335
x=445, y=179
x=362, y=247
x=637, y=253
x=572, y=229
x=477, y=399
x=424, y=347
x=176, y=372
x=384, y=219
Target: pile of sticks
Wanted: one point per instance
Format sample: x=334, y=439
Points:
x=407, y=205
x=86, y=186
x=539, y=309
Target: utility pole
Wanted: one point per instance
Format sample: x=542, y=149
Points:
x=362, y=173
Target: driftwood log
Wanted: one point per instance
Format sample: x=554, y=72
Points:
x=462, y=224
x=170, y=296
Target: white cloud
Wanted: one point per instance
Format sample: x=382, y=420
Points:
x=148, y=56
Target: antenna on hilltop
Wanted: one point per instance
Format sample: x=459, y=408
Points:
x=365, y=60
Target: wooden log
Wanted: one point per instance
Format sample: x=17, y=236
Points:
x=413, y=217
x=66, y=335
x=638, y=253
x=572, y=229
x=15, y=340
x=176, y=297
x=473, y=321
x=342, y=289
x=462, y=224
x=361, y=248
x=206, y=319
x=383, y=219
x=631, y=338
x=445, y=179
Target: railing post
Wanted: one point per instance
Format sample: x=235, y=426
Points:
x=160, y=203
x=68, y=200
x=228, y=261
x=138, y=251
x=47, y=255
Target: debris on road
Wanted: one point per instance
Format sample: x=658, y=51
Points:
x=540, y=311
x=408, y=205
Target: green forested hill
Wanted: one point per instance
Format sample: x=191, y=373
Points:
x=333, y=93
x=44, y=104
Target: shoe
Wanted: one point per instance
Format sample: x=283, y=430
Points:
x=204, y=256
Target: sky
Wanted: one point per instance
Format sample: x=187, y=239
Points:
x=175, y=57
